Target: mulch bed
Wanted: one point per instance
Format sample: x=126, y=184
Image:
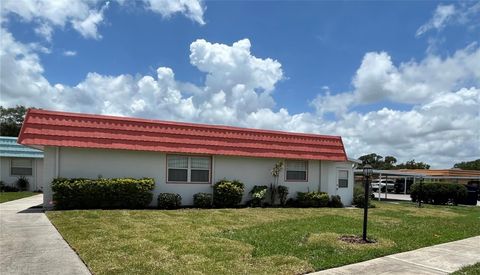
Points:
x=354, y=239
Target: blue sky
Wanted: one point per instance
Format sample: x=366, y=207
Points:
x=320, y=45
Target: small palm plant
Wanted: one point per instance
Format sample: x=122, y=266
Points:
x=277, y=168
x=22, y=183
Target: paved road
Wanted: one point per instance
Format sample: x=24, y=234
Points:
x=439, y=259
x=30, y=244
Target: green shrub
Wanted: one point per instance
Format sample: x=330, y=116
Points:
x=169, y=201
x=335, y=201
x=102, y=193
x=22, y=183
x=438, y=192
x=359, y=198
x=291, y=202
x=282, y=194
x=202, y=200
x=312, y=199
x=227, y=193
x=258, y=194
x=7, y=188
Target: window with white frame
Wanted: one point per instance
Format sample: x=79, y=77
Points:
x=296, y=170
x=188, y=169
x=343, y=178
x=21, y=167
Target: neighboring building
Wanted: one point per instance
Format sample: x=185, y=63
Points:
x=17, y=160
x=184, y=158
x=454, y=175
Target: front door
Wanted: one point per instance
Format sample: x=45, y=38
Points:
x=342, y=184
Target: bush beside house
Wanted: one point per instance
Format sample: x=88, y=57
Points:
x=7, y=188
x=227, y=193
x=169, y=201
x=335, y=202
x=102, y=193
x=258, y=194
x=22, y=183
x=312, y=199
x=282, y=192
x=202, y=200
x=129, y=193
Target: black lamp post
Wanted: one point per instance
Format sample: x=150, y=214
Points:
x=367, y=173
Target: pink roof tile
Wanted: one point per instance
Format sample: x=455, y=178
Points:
x=50, y=128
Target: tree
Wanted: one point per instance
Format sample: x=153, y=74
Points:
x=373, y=159
x=468, y=165
x=11, y=120
x=389, y=162
x=412, y=164
x=379, y=162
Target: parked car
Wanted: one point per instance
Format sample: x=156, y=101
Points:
x=389, y=183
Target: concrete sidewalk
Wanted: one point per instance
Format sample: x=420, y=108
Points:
x=30, y=244
x=438, y=259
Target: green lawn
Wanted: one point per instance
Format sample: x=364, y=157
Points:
x=10, y=196
x=253, y=241
x=469, y=270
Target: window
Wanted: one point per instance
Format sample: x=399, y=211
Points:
x=342, y=178
x=188, y=169
x=21, y=167
x=296, y=170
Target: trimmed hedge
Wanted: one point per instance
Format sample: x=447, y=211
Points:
x=227, y=193
x=169, y=201
x=312, y=199
x=438, y=192
x=202, y=200
x=102, y=193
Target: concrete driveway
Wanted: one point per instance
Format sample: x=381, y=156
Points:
x=30, y=244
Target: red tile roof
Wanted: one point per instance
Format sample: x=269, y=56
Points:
x=48, y=128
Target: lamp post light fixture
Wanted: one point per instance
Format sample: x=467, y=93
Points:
x=367, y=173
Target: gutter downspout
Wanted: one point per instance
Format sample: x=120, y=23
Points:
x=57, y=153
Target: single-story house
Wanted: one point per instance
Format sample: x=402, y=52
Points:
x=20, y=161
x=184, y=158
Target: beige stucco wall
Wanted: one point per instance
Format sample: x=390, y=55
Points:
x=35, y=180
x=91, y=163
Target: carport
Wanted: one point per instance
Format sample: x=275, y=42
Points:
x=384, y=174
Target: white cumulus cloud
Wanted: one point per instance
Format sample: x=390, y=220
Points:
x=192, y=9
x=85, y=16
x=441, y=127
